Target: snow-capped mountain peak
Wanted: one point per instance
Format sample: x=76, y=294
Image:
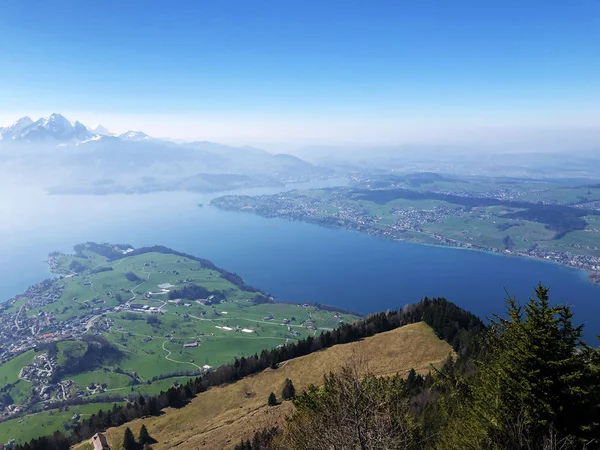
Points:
x=101, y=130
x=53, y=128
x=13, y=130
x=58, y=129
x=134, y=136
x=54, y=120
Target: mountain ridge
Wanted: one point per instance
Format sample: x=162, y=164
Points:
x=221, y=416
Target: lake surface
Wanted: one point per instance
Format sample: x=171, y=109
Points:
x=294, y=261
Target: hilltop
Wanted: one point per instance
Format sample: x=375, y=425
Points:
x=221, y=416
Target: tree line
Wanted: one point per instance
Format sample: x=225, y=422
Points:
x=195, y=292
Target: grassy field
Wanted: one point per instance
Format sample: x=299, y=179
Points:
x=20, y=391
x=35, y=425
x=151, y=346
x=220, y=417
x=75, y=349
x=9, y=371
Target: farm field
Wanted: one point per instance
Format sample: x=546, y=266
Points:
x=122, y=325
x=41, y=424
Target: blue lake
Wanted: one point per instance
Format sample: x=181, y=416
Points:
x=294, y=261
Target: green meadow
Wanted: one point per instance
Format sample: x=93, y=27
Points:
x=148, y=354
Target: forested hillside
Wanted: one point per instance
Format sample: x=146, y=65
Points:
x=526, y=381
x=221, y=416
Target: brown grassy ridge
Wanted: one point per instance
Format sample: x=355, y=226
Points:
x=221, y=416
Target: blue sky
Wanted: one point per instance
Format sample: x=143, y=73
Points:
x=323, y=70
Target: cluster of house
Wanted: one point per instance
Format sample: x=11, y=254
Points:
x=179, y=302
x=20, y=332
x=40, y=370
x=211, y=300
x=144, y=308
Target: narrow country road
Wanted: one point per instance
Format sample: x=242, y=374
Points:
x=172, y=360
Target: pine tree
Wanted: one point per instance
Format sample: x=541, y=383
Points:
x=289, y=391
x=145, y=438
x=129, y=440
x=535, y=382
x=272, y=399
x=153, y=408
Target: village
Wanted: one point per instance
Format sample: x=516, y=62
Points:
x=20, y=332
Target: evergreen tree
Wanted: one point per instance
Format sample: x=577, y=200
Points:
x=289, y=391
x=145, y=438
x=129, y=440
x=535, y=384
x=272, y=399
x=153, y=408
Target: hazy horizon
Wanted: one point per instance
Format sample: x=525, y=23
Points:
x=499, y=139
x=285, y=76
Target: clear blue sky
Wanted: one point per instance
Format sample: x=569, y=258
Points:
x=353, y=62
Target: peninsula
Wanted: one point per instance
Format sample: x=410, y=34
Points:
x=119, y=322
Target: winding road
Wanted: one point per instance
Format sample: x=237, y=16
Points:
x=173, y=360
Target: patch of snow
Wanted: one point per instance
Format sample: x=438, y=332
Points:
x=97, y=138
x=135, y=136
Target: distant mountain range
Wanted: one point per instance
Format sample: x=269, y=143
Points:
x=52, y=128
x=56, y=128
x=70, y=158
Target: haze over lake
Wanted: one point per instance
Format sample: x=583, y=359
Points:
x=294, y=261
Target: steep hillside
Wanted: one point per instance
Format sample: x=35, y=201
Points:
x=220, y=417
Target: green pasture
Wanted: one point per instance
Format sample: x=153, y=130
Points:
x=23, y=429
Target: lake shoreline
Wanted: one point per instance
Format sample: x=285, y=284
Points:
x=590, y=276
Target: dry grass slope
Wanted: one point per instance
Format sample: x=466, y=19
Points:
x=220, y=417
